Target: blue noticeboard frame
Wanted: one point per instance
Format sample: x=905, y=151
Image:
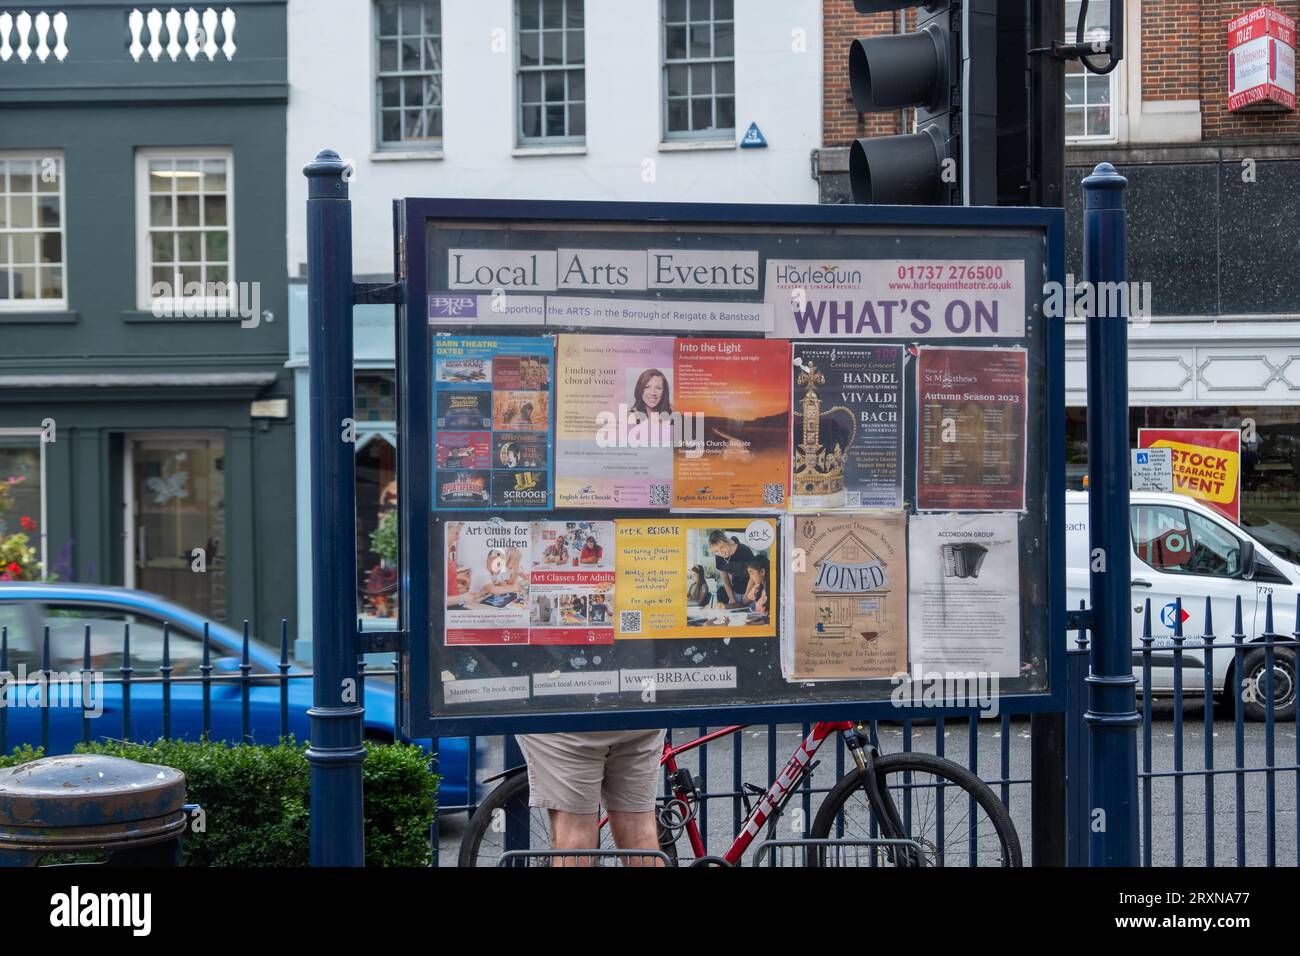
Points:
x=421, y=620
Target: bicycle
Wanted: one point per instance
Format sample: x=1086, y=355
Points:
x=887, y=801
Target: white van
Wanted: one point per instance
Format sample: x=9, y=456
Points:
x=1182, y=548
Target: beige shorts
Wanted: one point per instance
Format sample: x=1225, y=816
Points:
x=580, y=773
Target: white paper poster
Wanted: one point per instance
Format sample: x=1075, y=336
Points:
x=964, y=593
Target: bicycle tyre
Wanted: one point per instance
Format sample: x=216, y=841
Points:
x=954, y=774
x=512, y=788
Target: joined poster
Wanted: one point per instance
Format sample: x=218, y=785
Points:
x=615, y=423
x=696, y=577
x=847, y=424
x=737, y=392
x=971, y=429
x=492, y=422
x=849, y=582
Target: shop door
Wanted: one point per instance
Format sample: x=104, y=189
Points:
x=176, y=523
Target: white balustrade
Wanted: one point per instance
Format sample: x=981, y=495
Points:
x=29, y=34
x=171, y=32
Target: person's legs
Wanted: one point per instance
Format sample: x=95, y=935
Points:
x=629, y=789
x=574, y=831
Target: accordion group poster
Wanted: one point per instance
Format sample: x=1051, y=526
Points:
x=696, y=577
x=614, y=422
x=849, y=581
x=964, y=611
x=847, y=422
x=971, y=429
x=492, y=422
x=737, y=395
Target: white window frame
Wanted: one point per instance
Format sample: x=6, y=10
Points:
x=395, y=148
x=40, y=305
x=1112, y=80
x=143, y=258
x=677, y=138
x=44, y=527
x=541, y=69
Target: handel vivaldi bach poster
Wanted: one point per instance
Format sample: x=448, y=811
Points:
x=738, y=394
x=847, y=427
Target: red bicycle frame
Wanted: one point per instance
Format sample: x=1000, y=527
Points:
x=777, y=795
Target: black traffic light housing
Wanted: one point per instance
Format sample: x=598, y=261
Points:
x=948, y=70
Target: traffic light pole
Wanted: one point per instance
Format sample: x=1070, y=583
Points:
x=1047, y=188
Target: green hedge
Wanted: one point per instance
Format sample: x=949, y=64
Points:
x=257, y=799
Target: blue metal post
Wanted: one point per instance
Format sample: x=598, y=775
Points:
x=336, y=752
x=1112, y=715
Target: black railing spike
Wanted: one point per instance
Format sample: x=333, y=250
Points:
x=1268, y=614
x=1208, y=630
x=1236, y=626
x=1178, y=618
x=1146, y=622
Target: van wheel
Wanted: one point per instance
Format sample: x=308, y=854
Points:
x=1253, y=684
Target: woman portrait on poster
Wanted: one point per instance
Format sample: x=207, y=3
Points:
x=652, y=402
x=697, y=589
x=756, y=595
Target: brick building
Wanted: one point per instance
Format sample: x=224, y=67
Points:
x=1214, y=227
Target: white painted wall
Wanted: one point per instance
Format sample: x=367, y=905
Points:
x=331, y=104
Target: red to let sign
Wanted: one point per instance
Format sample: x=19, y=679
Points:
x=1261, y=60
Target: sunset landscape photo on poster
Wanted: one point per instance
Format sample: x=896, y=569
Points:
x=615, y=422
x=847, y=427
x=572, y=588
x=971, y=429
x=492, y=422
x=488, y=565
x=849, y=584
x=741, y=387
x=696, y=577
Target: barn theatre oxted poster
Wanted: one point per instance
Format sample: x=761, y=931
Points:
x=849, y=581
x=971, y=428
x=1207, y=464
x=492, y=422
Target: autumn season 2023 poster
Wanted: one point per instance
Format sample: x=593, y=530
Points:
x=740, y=391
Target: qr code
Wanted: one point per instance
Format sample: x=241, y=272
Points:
x=659, y=495
x=629, y=622
x=774, y=493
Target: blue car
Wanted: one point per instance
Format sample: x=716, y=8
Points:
x=26, y=609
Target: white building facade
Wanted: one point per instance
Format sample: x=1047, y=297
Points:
x=621, y=100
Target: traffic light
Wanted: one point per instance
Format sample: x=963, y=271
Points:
x=948, y=70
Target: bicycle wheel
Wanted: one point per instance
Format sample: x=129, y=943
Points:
x=951, y=813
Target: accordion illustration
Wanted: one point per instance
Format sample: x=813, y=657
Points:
x=963, y=560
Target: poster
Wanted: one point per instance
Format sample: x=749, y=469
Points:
x=488, y=567
x=615, y=423
x=492, y=422
x=571, y=599
x=856, y=300
x=964, y=594
x=738, y=393
x=696, y=577
x=1206, y=464
x=849, y=584
x=847, y=427
x=971, y=427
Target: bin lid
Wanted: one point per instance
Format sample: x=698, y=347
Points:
x=84, y=790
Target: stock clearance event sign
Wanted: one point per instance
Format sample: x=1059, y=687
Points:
x=1261, y=59
x=1207, y=464
x=704, y=461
